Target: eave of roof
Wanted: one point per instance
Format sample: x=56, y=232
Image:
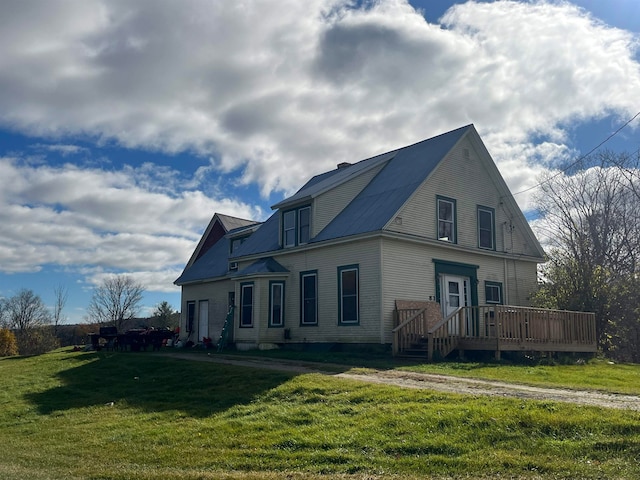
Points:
x=214, y=263
x=263, y=266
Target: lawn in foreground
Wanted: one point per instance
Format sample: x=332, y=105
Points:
x=124, y=415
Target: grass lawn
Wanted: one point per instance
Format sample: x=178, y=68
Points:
x=103, y=415
x=596, y=374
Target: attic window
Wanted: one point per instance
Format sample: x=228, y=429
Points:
x=446, y=219
x=486, y=228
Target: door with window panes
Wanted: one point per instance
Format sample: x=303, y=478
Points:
x=455, y=294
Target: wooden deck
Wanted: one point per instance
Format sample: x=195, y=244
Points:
x=420, y=328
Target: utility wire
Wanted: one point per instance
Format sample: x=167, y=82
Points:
x=580, y=158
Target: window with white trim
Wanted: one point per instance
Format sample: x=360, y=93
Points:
x=493, y=293
x=446, y=219
x=296, y=226
x=246, y=305
x=348, y=295
x=276, y=304
x=486, y=228
x=309, y=298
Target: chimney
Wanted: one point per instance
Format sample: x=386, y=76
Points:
x=343, y=165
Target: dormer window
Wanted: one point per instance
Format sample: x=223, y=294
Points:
x=304, y=225
x=296, y=226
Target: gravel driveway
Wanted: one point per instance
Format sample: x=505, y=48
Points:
x=428, y=381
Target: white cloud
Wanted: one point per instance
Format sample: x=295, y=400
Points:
x=74, y=216
x=281, y=96
x=273, y=92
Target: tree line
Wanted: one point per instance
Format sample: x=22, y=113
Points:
x=29, y=327
x=590, y=217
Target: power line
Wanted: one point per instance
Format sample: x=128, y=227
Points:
x=580, y=158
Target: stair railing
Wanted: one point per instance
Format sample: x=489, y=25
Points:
x=443, y=337
x=409, y=331
x=228, y=324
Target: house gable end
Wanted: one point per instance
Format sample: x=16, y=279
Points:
x=468, y=178
x=378, y=202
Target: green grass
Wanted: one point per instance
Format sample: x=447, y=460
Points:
x=176, y=419
x=596, y=374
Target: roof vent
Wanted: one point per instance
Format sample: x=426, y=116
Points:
x=343, y=165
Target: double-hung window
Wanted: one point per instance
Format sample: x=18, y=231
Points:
x=446, y=219
x=246, y=305
x=304, y=225
x=493, y=293
x=348, y=295
x=296, y=226
x=309, y=298
x=276, y=304
x=486, y=228
x=289, y=227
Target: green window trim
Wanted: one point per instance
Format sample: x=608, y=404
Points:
x=296, y=226
x=486, y=219
x=276, y=304
x=446, y=219
x=446, y=267
x=246, y=305
x=349, y=295
x=491, y=290
x=309, y=298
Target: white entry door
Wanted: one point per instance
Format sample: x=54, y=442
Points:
x=455, y=294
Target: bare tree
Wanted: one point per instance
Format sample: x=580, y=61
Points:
x=26, y=310
x=61, y=294
x=592, y=221
x=28, y=316
x=4, y=323
x=116, y=301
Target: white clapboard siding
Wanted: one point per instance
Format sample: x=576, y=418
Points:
x=470, y=180
x=326, y=261
x=217, y=294
x=408, y=272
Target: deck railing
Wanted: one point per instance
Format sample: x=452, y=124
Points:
x=499, y=327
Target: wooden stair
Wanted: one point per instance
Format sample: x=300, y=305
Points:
x=417, y=350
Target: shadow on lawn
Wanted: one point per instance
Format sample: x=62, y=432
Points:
x=154, y=383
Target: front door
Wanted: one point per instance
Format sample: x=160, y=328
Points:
x=455, y=294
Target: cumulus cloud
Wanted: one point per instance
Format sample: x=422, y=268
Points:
x=70, y=216
x=271, y=93
x=280, y=96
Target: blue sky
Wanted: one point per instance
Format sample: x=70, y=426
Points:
x=125, y=125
